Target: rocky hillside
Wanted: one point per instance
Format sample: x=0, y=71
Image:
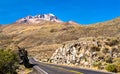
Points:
x=45, y=37
x=89, y=52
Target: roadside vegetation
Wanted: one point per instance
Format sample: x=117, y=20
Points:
x=113, y=67
x=8, y=62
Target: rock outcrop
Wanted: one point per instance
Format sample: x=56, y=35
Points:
x=88, y=52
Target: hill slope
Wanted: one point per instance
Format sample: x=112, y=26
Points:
x=45, y=37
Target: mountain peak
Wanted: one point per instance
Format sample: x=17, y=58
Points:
x=51, y=14
x=38, y=18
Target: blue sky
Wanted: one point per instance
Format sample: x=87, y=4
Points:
x=81, y=11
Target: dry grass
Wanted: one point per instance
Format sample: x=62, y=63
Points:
x=45, y=35
x=23, y=70
x=43, y=51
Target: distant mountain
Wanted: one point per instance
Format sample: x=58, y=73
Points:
x=38, y=19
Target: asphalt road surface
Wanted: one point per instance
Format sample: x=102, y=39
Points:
x=57, y=69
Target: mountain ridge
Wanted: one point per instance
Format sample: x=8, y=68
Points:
x=38, y=19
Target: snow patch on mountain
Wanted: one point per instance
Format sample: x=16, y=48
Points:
x=39, y=18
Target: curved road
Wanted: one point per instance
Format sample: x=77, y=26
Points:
x=57, y=69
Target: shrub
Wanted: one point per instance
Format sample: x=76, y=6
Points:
x=8, y=62
x=53, y=30
x=105, y=50
x=118, y=68
x=97, y=64
x=112, y=42
x=108, y=59
x=117, y=63
x=94, y=49
x=111, y=68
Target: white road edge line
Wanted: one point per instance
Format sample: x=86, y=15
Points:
x=37, y=67
x=42, y=70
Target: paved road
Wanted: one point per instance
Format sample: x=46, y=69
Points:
x=57, y=69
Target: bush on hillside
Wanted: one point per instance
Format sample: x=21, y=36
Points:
x=108, y=60
x=97, y=64
x=105, y=50
x=8, y=62
x=112, y=42
x=118, y=67
x=111, y=68
x=95, y=48
x=117, y=63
